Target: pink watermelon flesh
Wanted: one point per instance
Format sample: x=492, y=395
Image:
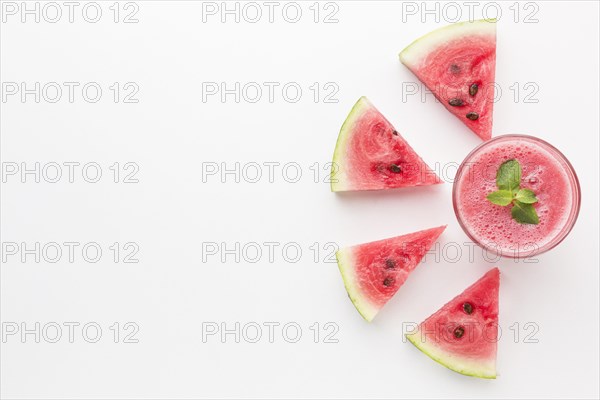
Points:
x=463, y=334
x=373, y=272
x=372, y=155
x=450, y=69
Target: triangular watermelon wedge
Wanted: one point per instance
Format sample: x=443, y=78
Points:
x=458, y=64
x=463, y=334
x=370, y=154
x=373, y=272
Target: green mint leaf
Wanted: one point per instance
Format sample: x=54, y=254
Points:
x=524, y=213
x=501, y=197
x=508, y=176
x=526, y=196
x=508, y=180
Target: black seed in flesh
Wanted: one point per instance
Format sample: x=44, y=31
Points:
x=388, y=282
x=459, y=332
x=456, y=102
x=473, y=89
x=455, y=69
x=473, y=116
x=390, y=264
x=395, y=133
x=468, y=308
x=395, y=169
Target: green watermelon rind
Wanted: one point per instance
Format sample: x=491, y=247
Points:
x=346, y=265
x=337, y=178
x=417, y=50
x=463, y=366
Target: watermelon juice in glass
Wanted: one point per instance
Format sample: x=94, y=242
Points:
x=516, y=196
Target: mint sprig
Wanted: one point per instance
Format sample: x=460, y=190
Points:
x=524, y=213
x=508, y=181
x=526, y=196
x=501, y=197
x=508, y=176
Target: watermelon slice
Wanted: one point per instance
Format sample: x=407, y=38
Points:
x=463, y=334
x=373, y=272
x=371, y=155
x=458, y=64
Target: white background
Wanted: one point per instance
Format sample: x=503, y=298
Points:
x=170, y=132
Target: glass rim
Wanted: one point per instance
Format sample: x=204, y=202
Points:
x=573, y=213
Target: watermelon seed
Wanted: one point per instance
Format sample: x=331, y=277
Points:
x=388, y=282
x=473, y=89
x=459, y=332
x=395, y=169
x=473, y=116
x=390, y=264
x=456, y=102
x=455, y=69
x=468, y=308
x=395, y=133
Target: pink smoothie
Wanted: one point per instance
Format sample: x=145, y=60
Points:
x=544, y=170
